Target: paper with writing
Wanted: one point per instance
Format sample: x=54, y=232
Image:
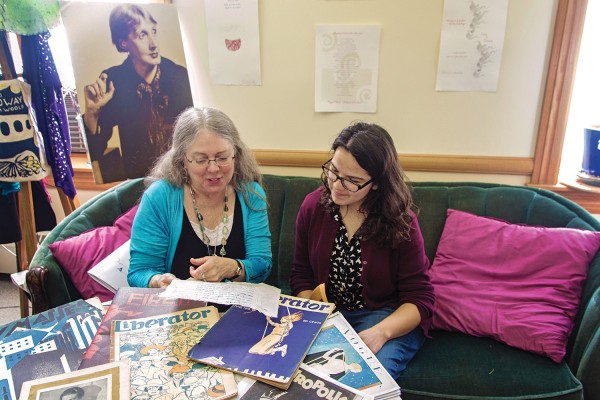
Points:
x=258, y=296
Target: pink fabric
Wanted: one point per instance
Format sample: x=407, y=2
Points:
x=518, y=284
x=78, y=254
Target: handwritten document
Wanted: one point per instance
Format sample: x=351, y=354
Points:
x=471, y=45
x=258, y=296
x=347, y=62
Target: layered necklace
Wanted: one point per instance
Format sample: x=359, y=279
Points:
x=224, y=232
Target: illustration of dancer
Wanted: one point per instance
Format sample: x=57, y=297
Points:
x=271, y=343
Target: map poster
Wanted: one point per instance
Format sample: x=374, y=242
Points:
x=471, y=45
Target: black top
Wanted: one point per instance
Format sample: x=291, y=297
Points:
x=190, y=245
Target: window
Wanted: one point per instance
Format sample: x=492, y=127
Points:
x=568, y=28
x=583, y=111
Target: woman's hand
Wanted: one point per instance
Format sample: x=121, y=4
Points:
x=374, y=338
x=97, y=95
x=161, y=280
x=212, y=268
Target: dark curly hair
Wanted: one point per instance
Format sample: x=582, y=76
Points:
x=387, y=209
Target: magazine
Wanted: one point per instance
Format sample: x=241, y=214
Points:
x=305, y=386
x=46, y=344
x=108, y=381
x=111, y=272
x=250, y=343
x=130, y=303
x=157, y=348
x=340, y=353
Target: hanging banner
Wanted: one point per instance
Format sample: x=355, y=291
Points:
x=21, y=146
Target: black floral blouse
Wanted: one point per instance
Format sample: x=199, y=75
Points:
x=344, y=287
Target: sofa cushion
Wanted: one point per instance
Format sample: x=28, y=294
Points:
x=452, y=365
x=518, y=284
x=78, y=254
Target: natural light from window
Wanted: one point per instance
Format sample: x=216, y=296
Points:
x=585, y=109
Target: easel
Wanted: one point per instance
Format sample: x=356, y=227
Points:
x=27, y=246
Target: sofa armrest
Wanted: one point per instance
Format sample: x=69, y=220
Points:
x=589, y=369
x=36, y=279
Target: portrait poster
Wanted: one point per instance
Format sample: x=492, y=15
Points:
x=105, y=382
x=132, y=82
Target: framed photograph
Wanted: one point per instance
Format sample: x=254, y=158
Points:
x=104, y=382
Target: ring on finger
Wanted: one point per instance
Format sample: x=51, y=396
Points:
x=203, y=278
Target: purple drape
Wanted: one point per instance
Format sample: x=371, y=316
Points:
x=40, y=72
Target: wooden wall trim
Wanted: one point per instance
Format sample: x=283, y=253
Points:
x=84, y=179
x=410, y=162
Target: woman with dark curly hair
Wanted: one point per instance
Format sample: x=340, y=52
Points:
x=359, y=236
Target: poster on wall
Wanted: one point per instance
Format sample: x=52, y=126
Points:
x=233, y=42
x=131, y=79
x=346, y=67
x=471, y=45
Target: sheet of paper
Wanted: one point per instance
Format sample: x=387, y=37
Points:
x=233, y=41
x=258, y=296
x=471, y=45
x=347, y=64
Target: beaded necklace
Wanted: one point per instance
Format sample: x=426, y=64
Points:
x=224, y=232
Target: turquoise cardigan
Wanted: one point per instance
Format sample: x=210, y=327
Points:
x=157, y=227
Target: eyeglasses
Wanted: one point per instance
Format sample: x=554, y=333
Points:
x=205, y=162
x=346, y=183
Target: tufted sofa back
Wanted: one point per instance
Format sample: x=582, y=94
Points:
x=514, y=204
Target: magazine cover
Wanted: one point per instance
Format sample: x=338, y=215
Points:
x=157, y=347
x=45, y=344
x=268, y=349
x=111, y=272
x=108, y=381
x=305, y=386
x=340, y=353
x=130, y=303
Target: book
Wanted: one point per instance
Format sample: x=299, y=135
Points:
x=107, y=381
x=340, y=353
x=46, y=344
x=268, y=349
x=157, y=348
x=305, y=386
x=111, y=272
x=130, y=303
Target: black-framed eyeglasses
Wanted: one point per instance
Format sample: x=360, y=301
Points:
x=346, y=183
x=205, y=162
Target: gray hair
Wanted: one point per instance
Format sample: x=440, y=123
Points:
x=171, y=165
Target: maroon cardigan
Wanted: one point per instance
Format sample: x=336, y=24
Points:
x=390, y=277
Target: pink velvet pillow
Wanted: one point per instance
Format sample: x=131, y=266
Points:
x=78, y=254
x=518, y=284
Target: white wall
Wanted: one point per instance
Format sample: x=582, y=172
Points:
x=280, y=113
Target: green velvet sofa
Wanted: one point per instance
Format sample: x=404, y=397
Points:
x=450, y=365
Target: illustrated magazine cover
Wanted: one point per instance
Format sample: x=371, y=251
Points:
x=340, y=353
x=305, y=386
x=130, y=303
x=268, y=349
x=157, y=348
x=105, y=382
x=45, y=344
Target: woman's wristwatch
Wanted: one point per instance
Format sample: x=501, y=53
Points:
x=238, y=271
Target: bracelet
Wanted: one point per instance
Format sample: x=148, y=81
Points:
x=239, y=269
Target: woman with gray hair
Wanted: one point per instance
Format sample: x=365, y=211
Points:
x=204, y=214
